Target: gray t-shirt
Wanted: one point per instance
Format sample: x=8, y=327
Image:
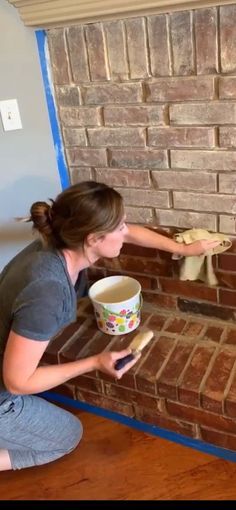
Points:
x=37, y=298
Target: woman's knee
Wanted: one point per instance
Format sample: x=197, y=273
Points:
x=74, y=435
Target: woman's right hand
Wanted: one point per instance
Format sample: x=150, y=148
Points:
x=105, y=361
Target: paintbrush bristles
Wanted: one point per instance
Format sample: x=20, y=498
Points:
x=141, y=340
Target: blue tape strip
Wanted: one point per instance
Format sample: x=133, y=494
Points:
x=144, y=427
x=61, y=163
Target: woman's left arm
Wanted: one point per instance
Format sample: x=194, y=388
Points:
x=143, y=236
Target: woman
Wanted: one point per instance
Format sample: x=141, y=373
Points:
x=38, y=299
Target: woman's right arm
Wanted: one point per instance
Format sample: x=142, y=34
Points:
x=22, y=375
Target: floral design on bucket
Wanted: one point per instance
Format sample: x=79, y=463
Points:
x=120, y=321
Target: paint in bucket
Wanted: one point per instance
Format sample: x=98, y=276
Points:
x=117, y=304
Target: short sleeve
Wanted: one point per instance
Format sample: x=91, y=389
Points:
x=38, y=311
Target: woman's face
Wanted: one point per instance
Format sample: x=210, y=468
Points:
x=109, y=245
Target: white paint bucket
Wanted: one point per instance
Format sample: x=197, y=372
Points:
x=117, y=304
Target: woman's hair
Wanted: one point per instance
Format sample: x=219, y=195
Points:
x=82, y=209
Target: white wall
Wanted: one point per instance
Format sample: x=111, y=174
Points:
x=28, y=167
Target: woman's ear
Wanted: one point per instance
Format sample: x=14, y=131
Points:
x=93, y=240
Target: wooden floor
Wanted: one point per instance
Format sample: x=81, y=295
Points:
x=115, y=462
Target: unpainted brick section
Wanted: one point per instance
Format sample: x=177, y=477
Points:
x=96, y=52
x=189, y=388
x=58, y=56
x=212, y=394
x=142, y=115
x=228, y=33
x=79, y=66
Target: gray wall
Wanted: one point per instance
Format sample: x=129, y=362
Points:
x=28, y=167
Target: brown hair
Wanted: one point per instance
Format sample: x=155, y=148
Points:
x=82, y=209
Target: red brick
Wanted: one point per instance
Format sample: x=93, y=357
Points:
x=182, y=43
x=142, y=115
x=156, y=322
x=147, y=373
x=193, y=415
x=226, y=279
x=131, y=397
x=217, y=438
x=96, y=52
x=87, y=383
x=79, y=345
x=180, y=89
x=227, y=297
x=51, y=355
x=165, y=422
x=139, y=265
x=228, y=33
x=193, y=329
x=189, y=388
x=105, y=402
x=79, y=66
x=188, y=289
x=109, y=93
x=139, y=251
x=212, y=394
x=86, y=157
x=175, y=326
x=227, y=262
x=158, y=38
x=213, y=333
x=136, y=46
x=230, y=400
x=206, y=40
x=207, y=309
x=230, y=337
x=167, y=382
x=126, y=178
x=162, y=300
x=115, y=36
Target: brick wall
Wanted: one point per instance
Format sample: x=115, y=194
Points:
x=148, y=105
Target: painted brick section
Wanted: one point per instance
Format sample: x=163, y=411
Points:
x=209, y=160
x=145, y=198
x=206, y=40
x=135, y=115
x=159, y=45
x=181, y=89
x=227, y=224
x=117, y=137
x=138, y=158
x=227, y=136
x=182, y=43
x=203, y=113
x=87, y=157
x=115, y=36
x=75, y=117
x=186, y=219
x=197, y=202
x=136, y=46
x=187, y=181
x=180, y=137
x=96, y=52
x=126, y=177
x=68, y=96
x=74, y=136
x=79, y=66
x=227, y=183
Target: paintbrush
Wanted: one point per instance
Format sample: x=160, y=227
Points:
x=137, y=345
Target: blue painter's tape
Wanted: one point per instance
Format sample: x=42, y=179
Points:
x=143, y=427
x=43, y=57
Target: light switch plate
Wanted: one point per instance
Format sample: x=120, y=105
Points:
x=10, y=115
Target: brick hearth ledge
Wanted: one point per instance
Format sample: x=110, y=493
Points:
x=185, y=380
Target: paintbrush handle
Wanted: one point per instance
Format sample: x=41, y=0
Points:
x=120, y=363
